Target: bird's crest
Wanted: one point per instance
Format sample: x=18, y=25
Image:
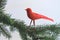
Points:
x=28, y=9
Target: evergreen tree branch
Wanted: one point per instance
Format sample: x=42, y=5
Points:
x=4, y=31
x=38, y=32
x=2, y=4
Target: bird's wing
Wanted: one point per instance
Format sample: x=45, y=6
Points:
x=38, y=16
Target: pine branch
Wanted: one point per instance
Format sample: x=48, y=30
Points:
x=46, y=31
x=2, y=4
x=4, y=31
x=49, y=30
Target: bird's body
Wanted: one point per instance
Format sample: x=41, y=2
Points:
x=34, y=16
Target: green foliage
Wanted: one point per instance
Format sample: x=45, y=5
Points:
x=47, y=32
x=4, y=31
x=43, y=32
x=2, y=4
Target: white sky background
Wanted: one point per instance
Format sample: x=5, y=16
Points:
x=50, y=8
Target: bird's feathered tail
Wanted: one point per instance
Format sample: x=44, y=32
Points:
x=47, y=18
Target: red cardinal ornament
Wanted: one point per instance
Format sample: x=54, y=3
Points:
x=34, y=16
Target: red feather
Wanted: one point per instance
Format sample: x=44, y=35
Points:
x=33, y=16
